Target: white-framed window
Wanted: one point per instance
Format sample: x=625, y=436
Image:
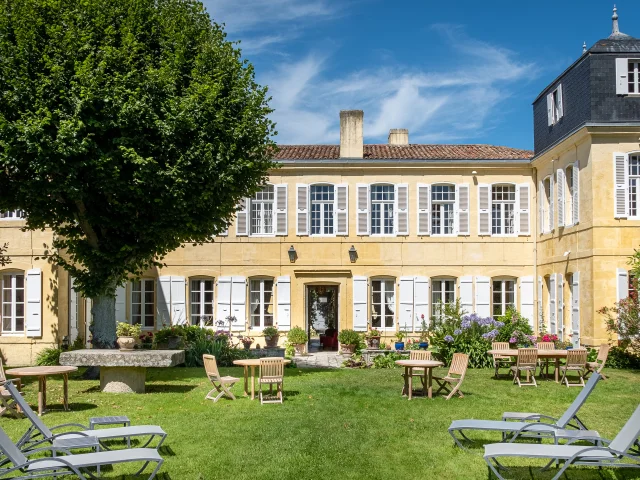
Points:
x=383, y=303
x=555, y=108
x=261, y=302
x=632, y=77
x=12, y=215
x=13, y=304
x=634, y=185
x=503, y=209
x=443, y=199
x=262, y=211
x=568, y=196
x=322, y=205
x=382, y=203
x=547, y=199
x=443, y=291
x=143, y=302
x=504, y=296
x=201, y=298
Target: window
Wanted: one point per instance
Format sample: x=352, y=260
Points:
x=503, y=209
x=262, y=212
x=383, y=303
x=143, y=303
x=261, y=298
x=633, y=285
x=634, y=184
x=632, y=79
x=504, y=296
x=547, y=198
x=12, y=215
x=443, y=199
x=442, y=292
x=202, y=301
x=13, y=303
x=568, y=196
x=557, y=105
x=382, y=200
x=322, y=201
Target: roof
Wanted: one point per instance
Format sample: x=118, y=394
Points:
x=616, y=45
x=407, y=152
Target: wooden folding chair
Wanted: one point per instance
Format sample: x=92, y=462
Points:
x=544, y=362
x=418, y=372
x=598, y=365
x=7, y=403
x=451, y=383
x=501, y=361
x=221, y=385
x=576, y=362
x=3, y=378
x=527, y=362
x=271, y=373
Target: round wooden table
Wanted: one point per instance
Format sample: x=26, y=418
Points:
x=428, y=366
x=554, y=354
x=253, y=363
x=42, y=373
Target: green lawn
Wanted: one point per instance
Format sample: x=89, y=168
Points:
x=347, y=424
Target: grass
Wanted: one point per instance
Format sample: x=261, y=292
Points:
x=348, y=424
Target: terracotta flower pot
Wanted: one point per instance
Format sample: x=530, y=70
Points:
x=272, y=342
x=347, y=349
x=373, y=342
x=126, y=343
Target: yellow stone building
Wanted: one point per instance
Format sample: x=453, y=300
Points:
x=359, y=236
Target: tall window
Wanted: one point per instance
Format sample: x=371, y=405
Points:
x=261, y=297
x=383, y=303
x=504, y=296
x=202, y=301
x=322, y=201
x=13, y=303
x=503, y=209
x=262, y=211
x=634, y=184
x=568, y=196
x=556, y=106
x=443, y=198
x=634, y=85
x=442, y=292
x=143, y=303
x=382, y=200
x=12, y=215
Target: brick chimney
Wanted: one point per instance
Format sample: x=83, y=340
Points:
x=351, y=139
x=398, y=136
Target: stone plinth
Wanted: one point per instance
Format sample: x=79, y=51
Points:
x=122, y=372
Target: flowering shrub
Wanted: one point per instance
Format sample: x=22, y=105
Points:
x=549, y=337
x=623, y=322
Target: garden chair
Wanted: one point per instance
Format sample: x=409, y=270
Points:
x=222, y=385
x=545, y=362
x=598, y=365
x=576, y=362
x=452, y=381
x=501, y=361
x=527, y=362
x=16, y=464
x=7, y=403
x=418, y=355
x=271, y=373
x=3, y=377
x=622, y=448
x=532, y=424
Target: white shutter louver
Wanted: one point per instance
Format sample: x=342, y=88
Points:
x=242, y=220
x=223, y=298
x=424, y=200
x=281, y=201
x=526, y=299
x=622, y=284
x=164, y=300
x=560, y=302
x=621, y=182
x=540, y=304
x=360, y=304
x=576, y=192
x=560, y=195
x=575, y=309
x=362, y=206
x=622, y=83
x=420, y=301
x=121, y=304
x=560, y=102
x=551, y=204
x=552, y=304
x=302, y=209
x=342, y=209
x=405, y=319
x=483, y=296
x=462, y=199
x=178, y=301
x=484, y=209
x=550, y=109
x=73, y=311
x=466, y=293
x=402, y=209
x=238, y=303
x=284, y=303
x=524, y=210
x=34, y=302
x=541, y=195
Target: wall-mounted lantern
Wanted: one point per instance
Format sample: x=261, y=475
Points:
x=293, y=255
x=353, y=254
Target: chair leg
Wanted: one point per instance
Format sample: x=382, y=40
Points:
x=455, y=390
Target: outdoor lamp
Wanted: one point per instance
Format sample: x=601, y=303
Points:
x=353, y=254
x=65, y=343
x=292, y=254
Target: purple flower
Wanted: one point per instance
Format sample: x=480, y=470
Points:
x=457, y=331
x=513, y=340
x=490, y=335
x=498, y=324
x=448, y=339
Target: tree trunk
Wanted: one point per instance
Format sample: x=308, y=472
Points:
x=103, y=328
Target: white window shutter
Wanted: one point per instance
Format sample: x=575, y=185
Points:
x=524, y=208
x=73, y=311
x=484, y=209
x=239, y=303
x=621, y=182
x=540, y=304
x=342, y=209
x=550, y=109
x=560, y=194
x=462, y=201
x=282, y=224
x=121, y=304
x=622, y=84
x=551, y=204
x=424, y=209
x=420, y=301
x=360, y=304
x=622, y=284
x=405, y=319
x=560, y=302
x=223, y=298
x=284, y=303
x=302, y=209
x=242, y=218
x=541, y=195
x=362, y=209
x=178, y=301
x=560, y=103
x=576, y=192
x=552, y=304
x=575, y=309
x=164, y=300
x=466, y=293
x=34, y=303
x=526, y=298
x=483, y=296
x=402, y=209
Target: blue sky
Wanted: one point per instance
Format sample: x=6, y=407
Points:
x=451, y=72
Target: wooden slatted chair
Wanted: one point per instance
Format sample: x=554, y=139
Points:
x=3, y=378
x=576, y=362
x=418, y=355
x=527, y=362
x=7, y=404
x=598, y=365
x=457, y=371
x=222, y=385
x=501, y=361
x=271, y=373
x=545, y=362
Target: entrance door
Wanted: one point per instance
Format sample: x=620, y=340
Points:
x=322, y=314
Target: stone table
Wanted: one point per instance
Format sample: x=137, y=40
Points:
x=122, y=371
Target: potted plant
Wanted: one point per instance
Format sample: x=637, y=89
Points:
x=349, y=340
x=246, y=342
x=373, y=338
x=169, y=338
x=271, y=336
x=146, y=340
x=127, y=335
x=424, y=334
x=298, y=338
x=399, y=343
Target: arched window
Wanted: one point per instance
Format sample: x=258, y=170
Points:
x=503, y=209
x=443, y=199
x=443, y=291
x=382, y=204
x=201, y=296
x=261, y=302
x=504, y=295
x=383, y=303
x=322, y=214
x=13, y=302
x=262, y=211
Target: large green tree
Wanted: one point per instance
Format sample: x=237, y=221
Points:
x=128, y=128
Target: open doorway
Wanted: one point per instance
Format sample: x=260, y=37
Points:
x=322, y=317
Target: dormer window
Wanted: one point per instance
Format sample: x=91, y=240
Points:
x=555, y=109
x=632, y=78
x=627, y=70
